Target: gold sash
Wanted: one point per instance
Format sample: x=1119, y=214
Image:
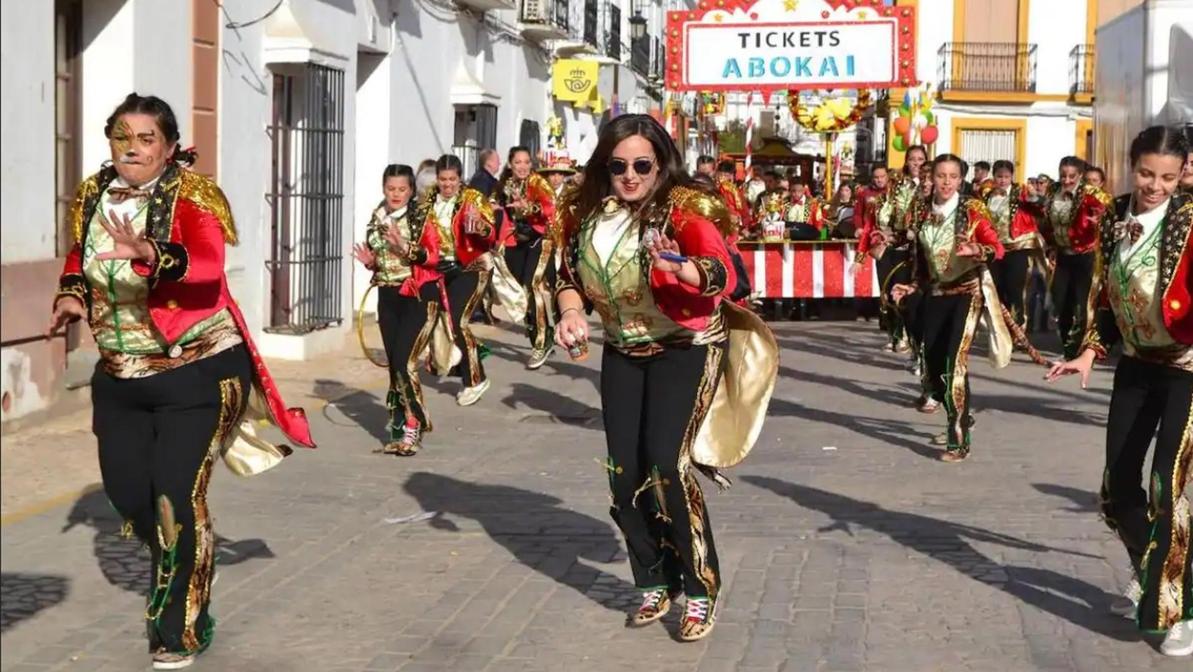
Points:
x=244, y=452
x=1000, y=341
x=739, y=405
x=505, y=289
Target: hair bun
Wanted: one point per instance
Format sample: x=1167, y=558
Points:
x=185, y=157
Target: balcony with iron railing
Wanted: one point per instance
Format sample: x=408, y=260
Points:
x=544, y=19
x=1082, y=61
x=986, y=67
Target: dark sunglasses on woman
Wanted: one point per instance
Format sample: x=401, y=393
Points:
x=618, y=167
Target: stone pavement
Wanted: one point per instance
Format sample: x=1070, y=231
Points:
x=844, y=545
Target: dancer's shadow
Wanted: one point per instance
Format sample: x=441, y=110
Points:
x=535, y=528
x=883, y=430
x=1083, y=501
x=360, y=407
x=1072, y=599
x=555, y=407
x=23, y=595
x=842, y=350
x=125, y=562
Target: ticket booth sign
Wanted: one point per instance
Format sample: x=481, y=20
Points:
x=781, y=45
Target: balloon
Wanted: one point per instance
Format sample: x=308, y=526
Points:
x=919, y=121
x=930, y=134
x=901, y=125
x=898, y=144
x=930, y=117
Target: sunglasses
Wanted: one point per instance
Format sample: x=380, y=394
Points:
x=618, y=167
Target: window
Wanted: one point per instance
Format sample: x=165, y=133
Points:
x=476, y=129
x=530, y=136
x=991, y=21
x=68, y=22
x=976, y=139
x=613, y=48
x=592, y=18
x=307, y=198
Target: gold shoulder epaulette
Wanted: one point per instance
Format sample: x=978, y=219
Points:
x=1100, y=194
x=706, y=205
x=87, y=188
x=205, y=193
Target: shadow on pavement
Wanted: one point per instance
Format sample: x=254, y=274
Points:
x=23, y=595
x=1074, y=600
x=552, y=407
x=535, y=528
x=125, y=562
x=1083, y=500
x=883, y=430
x=361, y=407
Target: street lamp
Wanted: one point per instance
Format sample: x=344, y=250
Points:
x=637, y=25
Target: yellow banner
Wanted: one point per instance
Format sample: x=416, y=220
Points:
x=574, y=80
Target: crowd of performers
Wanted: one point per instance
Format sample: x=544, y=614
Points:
x=686, y=370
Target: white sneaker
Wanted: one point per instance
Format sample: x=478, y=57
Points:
x=538, y=358
x=1179, y=640
x=172, y=661
x=470, y=395
x=1128, y=604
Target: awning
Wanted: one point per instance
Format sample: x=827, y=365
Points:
x=468, y=90
x=291, y=39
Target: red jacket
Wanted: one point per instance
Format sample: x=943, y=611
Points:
x=189, y=223
x=468, y=247
x=976, y=229
x=865, y=215
x=738, y=205
x=1175, y=281
x=1024, y=209
x=815, y=210
x=699, y=223
x=1088, y=212
x=541, y=199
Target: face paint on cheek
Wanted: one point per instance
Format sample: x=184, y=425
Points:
x=121, y=138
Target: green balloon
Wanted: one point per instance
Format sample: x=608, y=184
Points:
x=898, y=144
x=930, y=117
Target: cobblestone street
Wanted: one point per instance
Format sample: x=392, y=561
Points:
x=844, y=544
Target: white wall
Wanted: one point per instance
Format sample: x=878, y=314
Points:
x=1055, y=26
x=27, y=132
x=245, y=104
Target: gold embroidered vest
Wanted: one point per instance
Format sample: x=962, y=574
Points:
x=391, y=269
x=1131, y=290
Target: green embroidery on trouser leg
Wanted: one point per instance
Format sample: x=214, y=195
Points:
x=393, y=404
x=167, y=566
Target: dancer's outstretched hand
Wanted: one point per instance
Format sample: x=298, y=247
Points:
x=1083, y=364
x=900, y=292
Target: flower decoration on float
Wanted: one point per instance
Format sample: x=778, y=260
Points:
x=712, y=103
x=914, y=123
x=832, y=114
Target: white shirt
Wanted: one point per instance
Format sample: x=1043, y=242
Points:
x=945, y=209
x=608, y=231
x=1150, y=221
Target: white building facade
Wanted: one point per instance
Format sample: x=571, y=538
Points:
x=1014, y=78
x=295, y=108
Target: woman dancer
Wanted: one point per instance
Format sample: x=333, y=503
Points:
x=1014, y=209
x=1141, y=295
x=647, y=250
x=177, y=364
x=400, y=269
x=464, y=229
x=953, y=239
x=529, y=201
x=1073, y=212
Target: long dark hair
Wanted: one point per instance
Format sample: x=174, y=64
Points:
x=598, y=183
x=167, y=123
x=914, y=148
x=1166, y=140
x=508, y=171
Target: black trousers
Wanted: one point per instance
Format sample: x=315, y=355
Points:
x=406, y=323
x=949, y=324
x=523, y=261
x=652, y=408
x=1148, y=396
x=893, y=269
x=464, y=291
x=1070, y=291
x=158, y=437
x=1010, y=277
